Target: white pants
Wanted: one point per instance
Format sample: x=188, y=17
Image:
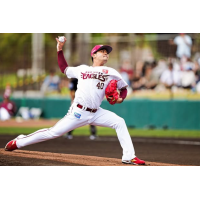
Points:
x=4, y=114
x=77, y=117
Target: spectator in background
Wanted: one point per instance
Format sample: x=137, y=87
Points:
x=145, y=77
x=197, y=66
x=188, y=64
x=136, y=81
x=51, y=83
x=63, y=86
x=126, y=71
x=184, y=44
x=152, y=79
x=170, y=77
x=188, y=79
x=160, y=68
x=146, y=74
x=197, y=70
x=188, y=71
x=7, y=108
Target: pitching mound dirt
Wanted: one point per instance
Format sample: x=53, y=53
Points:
x=35, y=158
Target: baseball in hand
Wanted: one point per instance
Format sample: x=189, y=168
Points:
x=62, y=39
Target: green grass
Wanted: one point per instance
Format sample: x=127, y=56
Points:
x=101, y=131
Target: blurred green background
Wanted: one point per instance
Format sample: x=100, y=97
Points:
x=27, y=58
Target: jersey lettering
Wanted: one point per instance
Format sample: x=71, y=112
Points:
x=99, y=76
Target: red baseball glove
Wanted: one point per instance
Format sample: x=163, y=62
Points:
x=111, y=92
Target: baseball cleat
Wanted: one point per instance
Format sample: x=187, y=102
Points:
x=10, y=146
x=69, y=137
x=134, y=161
x=93, y=137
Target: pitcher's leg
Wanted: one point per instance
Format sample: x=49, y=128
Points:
x=61, y=127
x=107, y=118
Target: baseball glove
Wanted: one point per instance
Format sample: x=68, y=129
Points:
x=111, y=92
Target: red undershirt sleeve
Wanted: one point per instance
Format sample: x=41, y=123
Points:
x=123, y=93
x=62, y=63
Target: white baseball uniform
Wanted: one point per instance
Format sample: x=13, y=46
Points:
x=92, y=82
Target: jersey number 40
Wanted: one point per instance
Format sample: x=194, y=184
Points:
x=100, y=85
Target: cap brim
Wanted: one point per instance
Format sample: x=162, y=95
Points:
x=108, y=49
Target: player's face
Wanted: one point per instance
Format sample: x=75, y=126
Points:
x=102, y=55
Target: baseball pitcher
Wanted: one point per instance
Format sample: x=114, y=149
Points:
x=73, y=88
x=94, y=82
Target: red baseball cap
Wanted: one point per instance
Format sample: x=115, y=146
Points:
x=99, y=47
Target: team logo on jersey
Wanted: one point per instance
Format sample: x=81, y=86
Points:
x=97, y=75
x=105, y=71
x=77, y=115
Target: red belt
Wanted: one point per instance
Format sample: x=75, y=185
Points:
x=88, y=109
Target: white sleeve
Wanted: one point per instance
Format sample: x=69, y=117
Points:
x=176, y=39
x=163, y=77
x=72, y=72
x=117, y=76
x=121, y=84
x=189, y=39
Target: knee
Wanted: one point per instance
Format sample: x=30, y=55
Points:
x=54, y=134
x=120, y=122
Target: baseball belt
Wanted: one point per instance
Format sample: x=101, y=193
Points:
x=87, y=109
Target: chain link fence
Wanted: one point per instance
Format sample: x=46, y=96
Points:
x=15, y=68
